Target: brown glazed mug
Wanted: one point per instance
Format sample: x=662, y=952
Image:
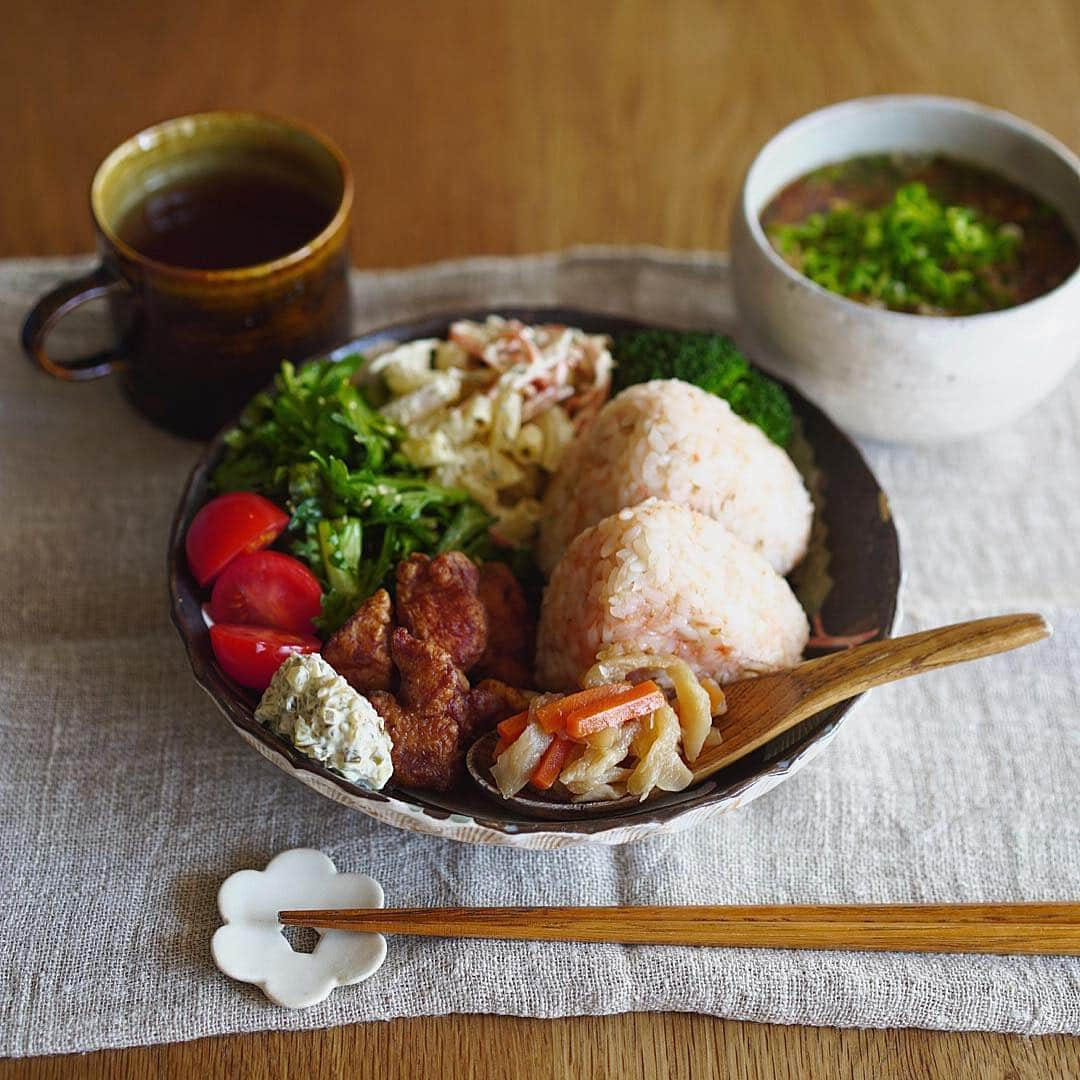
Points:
x=195, y=344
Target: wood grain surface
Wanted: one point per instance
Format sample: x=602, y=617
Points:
x=494, y=126
x=670, y=1046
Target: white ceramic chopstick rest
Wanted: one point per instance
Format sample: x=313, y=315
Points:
x=251, y=947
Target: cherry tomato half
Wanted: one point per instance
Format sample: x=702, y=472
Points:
x=267, y=588
x=251, y=654
x=230, y=525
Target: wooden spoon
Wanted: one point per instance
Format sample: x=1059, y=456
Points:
x=760, y=709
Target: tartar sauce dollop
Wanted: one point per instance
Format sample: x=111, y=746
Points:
x=313, y=707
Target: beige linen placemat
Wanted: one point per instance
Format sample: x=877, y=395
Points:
x=125, y=799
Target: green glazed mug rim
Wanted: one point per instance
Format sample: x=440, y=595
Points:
x=133, y=145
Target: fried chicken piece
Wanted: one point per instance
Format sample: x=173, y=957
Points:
x=425, y=719
x=487, y=703
x=430, y=679
x=360, y=650
x=437, y=601
x=511, y=638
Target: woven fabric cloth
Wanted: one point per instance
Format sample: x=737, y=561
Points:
x=126, y=800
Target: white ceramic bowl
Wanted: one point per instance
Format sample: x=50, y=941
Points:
x=887, y=374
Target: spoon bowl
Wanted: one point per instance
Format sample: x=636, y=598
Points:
x=759, y=709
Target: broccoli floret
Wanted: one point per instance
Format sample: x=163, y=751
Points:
x=711, y=361
x=763, y=402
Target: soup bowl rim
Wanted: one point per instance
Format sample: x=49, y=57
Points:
x=932, y=104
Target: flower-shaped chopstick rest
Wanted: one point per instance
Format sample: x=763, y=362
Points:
x=251, y=947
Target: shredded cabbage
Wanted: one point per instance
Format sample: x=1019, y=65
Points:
x=694, y=701
x=516, y=764
x=657, y=749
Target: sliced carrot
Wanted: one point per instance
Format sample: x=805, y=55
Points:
x=551, y=764
x=552, y=716
x=500, y=746
x=639, y=700
x=510, y=728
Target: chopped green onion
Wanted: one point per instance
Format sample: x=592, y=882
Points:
x=912, y=254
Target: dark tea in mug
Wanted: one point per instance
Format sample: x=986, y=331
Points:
x=224, y=220
x=223, y=252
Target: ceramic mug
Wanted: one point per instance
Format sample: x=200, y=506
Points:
x=195, y=344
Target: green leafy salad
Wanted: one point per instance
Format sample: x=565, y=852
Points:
x=316, y=446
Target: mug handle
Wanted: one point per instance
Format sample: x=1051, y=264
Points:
x=53, y=306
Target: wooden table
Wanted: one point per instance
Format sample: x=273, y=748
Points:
x=510, y=127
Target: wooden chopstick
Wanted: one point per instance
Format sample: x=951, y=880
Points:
x=1006, y=929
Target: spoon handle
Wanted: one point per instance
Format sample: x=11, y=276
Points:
x=762, y=708
x=1017, y=929
x=838, y=676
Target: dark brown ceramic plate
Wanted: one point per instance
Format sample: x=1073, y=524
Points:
x=851, y=582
